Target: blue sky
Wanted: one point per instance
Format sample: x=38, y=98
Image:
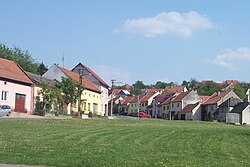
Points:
x=134, y=40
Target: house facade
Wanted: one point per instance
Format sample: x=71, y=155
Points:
x=90, y=97
x=39, y=82
x=181, y=101
x=218, y=105
x=101, y=85
x=16, y=87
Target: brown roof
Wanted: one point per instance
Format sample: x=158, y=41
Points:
x=127, y=100
x=174, y=89
x=93, y=74
x=215, y=98
x=204, y=98
x=180, y=96
x=11, y=70
x=167, y=101
x=189, y=107
x=85, y=81
x=150, y=90
x=146, y=97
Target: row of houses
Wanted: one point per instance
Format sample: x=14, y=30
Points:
x=181, y=104
x=19, y=89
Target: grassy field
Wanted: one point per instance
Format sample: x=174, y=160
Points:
x=100, y=142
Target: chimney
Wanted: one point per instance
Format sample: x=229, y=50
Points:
x=248, y=95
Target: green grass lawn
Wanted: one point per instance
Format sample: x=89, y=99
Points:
x=101, y=142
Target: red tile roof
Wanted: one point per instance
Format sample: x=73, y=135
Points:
x=204, y=98
x=167, y=101
x=215, y=98
x=180, y=96
x=145, y=98
x=93, y=74
x=127, y=100
x=150, y=90
x=11, y=70
x=189, y=107
x=174, y=89
x=85, y=81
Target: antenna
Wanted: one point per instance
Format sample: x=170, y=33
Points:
x=63, y=59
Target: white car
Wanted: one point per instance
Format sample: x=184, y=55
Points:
x=5, y=110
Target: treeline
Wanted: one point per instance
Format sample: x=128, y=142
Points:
x=22, y=58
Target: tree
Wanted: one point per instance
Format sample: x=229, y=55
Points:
x=240, y=91
x=51, y=97
x=208, y=89
x=161, y=85
x=137, y=86
x=21, y=57
x=42, y=69
x=69, y=90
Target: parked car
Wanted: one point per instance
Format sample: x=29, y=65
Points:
x=5, y=110
x=144, y=115
x=123, y=113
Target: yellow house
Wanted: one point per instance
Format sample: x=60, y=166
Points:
x=91, y=96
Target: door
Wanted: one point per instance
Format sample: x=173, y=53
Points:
x=182, y=116
x=20, y=103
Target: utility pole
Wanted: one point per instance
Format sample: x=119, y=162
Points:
x=111, y=106
x=80, y=92
x=138, y=106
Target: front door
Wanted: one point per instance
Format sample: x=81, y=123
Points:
x=182, y=116
x=20, y=103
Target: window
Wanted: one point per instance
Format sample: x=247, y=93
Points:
x=178, y=105
x=89, y=106
x=84, y=106
x=4, y=96
x=5, y=83
x=212, y=108
x=164, y=108
x=94, y=96
x=167, y=107
x=172, y=105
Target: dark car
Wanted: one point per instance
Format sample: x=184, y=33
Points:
x=123, y=113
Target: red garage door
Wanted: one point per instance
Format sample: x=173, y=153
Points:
x=20, y=103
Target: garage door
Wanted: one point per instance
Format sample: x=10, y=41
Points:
x=20, y=103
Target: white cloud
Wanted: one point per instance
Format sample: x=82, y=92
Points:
x=167, y=23
x=230, y=58
x=107, y=73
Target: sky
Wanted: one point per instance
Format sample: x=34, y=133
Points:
x=128, y=40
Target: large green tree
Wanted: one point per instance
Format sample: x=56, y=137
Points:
x=208, y=88
x=240, y=91
x=69, y=89
x=22, y=57
x=136, y=88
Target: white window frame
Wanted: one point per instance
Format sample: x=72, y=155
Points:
x=4, y=95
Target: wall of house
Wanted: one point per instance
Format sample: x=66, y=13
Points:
x=133, y=107
x=246, y=115
x=211, y=108
x=190, y=98
x=165, y=111
x=196, y=113
x=54, y=73
x=104, y=100
x=104, y=90
x=89, y=101
x=12, y=89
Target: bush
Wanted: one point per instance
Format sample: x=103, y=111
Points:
x=90, y=114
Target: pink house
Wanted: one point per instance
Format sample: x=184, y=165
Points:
x=16, y=88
